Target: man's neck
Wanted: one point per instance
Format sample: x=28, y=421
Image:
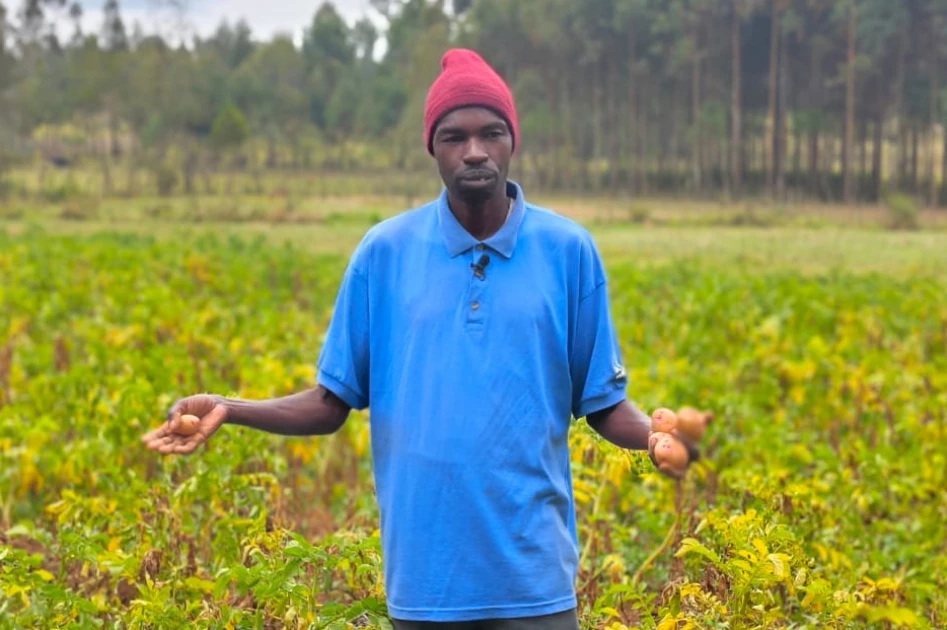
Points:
x=482, y=220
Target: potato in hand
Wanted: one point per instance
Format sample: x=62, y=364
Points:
x=672, y=443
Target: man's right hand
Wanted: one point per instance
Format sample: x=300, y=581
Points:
x=165, y=439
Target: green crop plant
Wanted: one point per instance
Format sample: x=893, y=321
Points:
x=819, y=501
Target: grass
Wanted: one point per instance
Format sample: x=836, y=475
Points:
x=805, y=250
x=329, y=213
x=335, y=226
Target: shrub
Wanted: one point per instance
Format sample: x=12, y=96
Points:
x=902, y=212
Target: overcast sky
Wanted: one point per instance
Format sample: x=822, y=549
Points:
x=265, y=17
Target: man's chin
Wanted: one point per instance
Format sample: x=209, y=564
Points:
x=475, y=193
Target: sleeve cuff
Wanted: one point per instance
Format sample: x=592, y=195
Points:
x=591, y=405
x=343, y=391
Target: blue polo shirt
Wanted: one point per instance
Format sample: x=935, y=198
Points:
x=472, y=384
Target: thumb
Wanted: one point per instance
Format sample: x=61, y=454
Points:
x=174, y=421
x=212, y=421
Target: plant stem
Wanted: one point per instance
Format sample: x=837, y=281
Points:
x=657, y=552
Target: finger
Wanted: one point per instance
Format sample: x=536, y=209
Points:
x=175, y=410
x=188, y=446
x=165, y=448
x=158, y=441
x=154, y=434
x=168, y=443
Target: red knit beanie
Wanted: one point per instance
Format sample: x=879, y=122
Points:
x=467, y=80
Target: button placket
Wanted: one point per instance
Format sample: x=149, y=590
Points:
x=474, y=306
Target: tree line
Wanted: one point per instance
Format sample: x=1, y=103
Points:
x=838, y=100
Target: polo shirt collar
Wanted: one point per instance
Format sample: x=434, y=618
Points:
x=458, y=240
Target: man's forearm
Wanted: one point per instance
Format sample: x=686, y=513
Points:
x=623, y=425
x=314, y=411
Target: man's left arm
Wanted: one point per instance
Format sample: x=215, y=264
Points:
x=599, y=378
x=623, y=425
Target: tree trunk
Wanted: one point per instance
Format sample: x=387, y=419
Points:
x=780, y=161
x=862, y=156
x=695, y=105
x=771, y=118
x=553, y=134
x=900, y=111
x=914, y=149
x=813, y=162
x=847, y=156
x=613, y=126
x=675, y=135
x=796, y=154
x=596, y=77
x=877, y=153
x=814, y=103
x=933, y=122
x=943, y=163
x=642, y=137
x=736, y=130
x=632, y=124
x=131, y=182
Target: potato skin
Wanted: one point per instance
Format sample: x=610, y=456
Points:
x=692, y=423
x=671, y=453
x=188, y=425
x=655, y=437
x=663, y=420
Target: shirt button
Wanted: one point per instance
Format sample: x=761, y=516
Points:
x=475, y=305
x=480, y=247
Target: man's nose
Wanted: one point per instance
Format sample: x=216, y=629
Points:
x=475, y=153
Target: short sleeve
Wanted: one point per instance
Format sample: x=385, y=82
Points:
x=599, y=378
x=343, y=365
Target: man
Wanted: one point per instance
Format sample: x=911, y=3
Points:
x=474, y=328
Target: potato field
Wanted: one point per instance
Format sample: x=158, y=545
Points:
x=820, y=500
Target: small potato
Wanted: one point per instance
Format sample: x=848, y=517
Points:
x=188, y=425
x=655, y=437
x=663, y=420
x=692, y=423
x=671, y=453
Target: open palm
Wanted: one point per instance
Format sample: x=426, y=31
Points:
x=167, y=439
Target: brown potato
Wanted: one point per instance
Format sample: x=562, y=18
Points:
x=655, y=436
x=188, y=425
x=672, y=453
x=663, y=420
x=692, y=423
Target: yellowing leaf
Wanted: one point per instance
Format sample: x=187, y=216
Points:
x=691, y=545
x=780, y=562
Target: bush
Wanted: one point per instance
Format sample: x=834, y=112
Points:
x=639, y=214
x=63, y=191
x=167, y=180
x=902, y=212
x=80, y=209
x=7, y=188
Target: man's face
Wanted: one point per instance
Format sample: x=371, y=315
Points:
x=473, y=147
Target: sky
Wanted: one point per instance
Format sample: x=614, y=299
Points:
x=265, y=17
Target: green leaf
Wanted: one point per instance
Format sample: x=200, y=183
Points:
x=693, y=546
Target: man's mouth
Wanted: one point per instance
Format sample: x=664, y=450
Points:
x=478, y=177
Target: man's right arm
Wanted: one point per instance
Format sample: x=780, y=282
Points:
x=315, y=411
